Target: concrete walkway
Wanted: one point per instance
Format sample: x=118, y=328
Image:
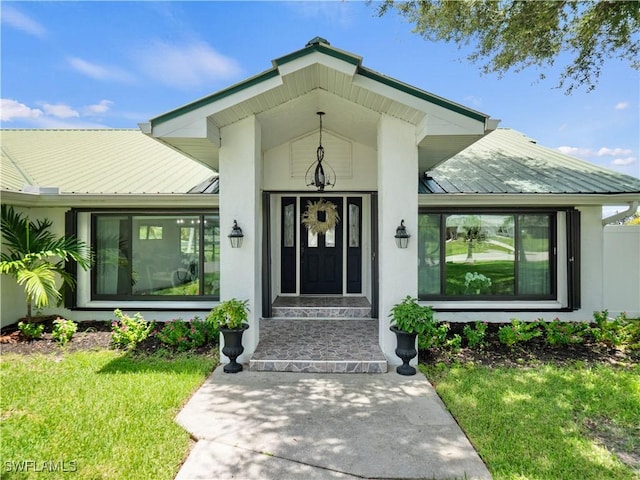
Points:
x=280, y=426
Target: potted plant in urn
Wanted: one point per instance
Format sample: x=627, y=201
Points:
x=229, y=317
x=408, y=320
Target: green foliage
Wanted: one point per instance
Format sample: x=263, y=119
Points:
x=411, y=317
x=31, y=331
x=36, y=258
x=183, y=336
x=518, y=332
x=111, y=413
x=229, y=314
x=513, y=35
x=127, y=332
x=434, y=335
x=63, y=330
x=475, y=334
x=564, y=333
x=621, y=331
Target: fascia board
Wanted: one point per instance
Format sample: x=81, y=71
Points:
x=168, y=122
x=522, y=199
x=317, y=58
x=203, y=127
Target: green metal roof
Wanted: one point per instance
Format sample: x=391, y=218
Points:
x=507, y=161
x=96, y=161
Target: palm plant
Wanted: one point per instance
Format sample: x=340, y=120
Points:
x=35, y=257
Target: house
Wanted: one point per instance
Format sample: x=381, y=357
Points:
x=344, y=183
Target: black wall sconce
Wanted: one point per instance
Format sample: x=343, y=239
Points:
x=236, y=236
x=402, y=237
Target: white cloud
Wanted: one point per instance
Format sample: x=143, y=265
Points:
x=99, y=72
x=186, y=66
x=102, y=106
x=581, y=152
x=60, y=111
x=622, y=105
x=340, y=13
x=613, y=152
x=15, y=18
x=12, y=109
x=622, y=162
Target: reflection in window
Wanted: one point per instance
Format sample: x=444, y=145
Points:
x=330, y=238
x=485, y=255
x=354, y=225
x=312, y=239
x=183, y=261
x=289, y=229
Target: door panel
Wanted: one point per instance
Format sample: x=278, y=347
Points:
x=321, y=255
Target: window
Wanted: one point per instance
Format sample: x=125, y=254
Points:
x=487, y=255
x=152, y=255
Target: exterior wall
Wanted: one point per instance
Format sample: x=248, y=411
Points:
x=277, y=168
x=622, y=269
x=240, y=199
x=398, y=268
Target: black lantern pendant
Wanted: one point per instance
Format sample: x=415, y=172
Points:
x=236, y=236
x=402, y=237
x=320, y=178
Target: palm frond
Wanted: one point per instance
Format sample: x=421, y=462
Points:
x=39, y=284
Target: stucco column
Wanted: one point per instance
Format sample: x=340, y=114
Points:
x=240, y=200
x=397, y=200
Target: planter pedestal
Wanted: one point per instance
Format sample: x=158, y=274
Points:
x=233, y=347
x=405, y=350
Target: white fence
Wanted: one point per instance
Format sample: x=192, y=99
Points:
x=621, y=269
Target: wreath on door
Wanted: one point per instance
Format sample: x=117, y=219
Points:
x=313, y=223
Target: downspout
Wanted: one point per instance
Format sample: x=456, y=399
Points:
x=633, y=206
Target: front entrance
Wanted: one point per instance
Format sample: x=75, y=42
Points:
x=321, y=247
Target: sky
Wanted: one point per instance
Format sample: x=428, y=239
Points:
x=115, y=64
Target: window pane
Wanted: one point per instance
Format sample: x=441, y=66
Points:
x=330, y=238
x=480, y=255
x=429, y=254
x=112, y=256
x=354, y=225
x=312, y=239
x=534, y=275
x=212, y=255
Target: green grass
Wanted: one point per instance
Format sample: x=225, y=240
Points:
x=110, y=413
x=542, y=423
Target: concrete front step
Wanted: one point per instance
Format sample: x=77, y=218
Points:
x=318, y=345
x=321, y=312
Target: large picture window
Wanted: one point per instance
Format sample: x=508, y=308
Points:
x=486, y=255
x=153, y=255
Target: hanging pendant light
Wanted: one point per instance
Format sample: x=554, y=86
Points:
x=319, y=177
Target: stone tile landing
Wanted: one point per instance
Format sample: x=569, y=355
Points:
x=314, y=345
x=321, y=307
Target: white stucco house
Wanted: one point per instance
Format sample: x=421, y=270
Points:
x=499, y=227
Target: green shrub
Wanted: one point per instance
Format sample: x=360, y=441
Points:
x=63, y=330
x=434, y=335
x=31, y=331
x=518, y=332
x=475, y=334
x=184, y=336
x=564, y=333
x=619, y=332
x=128, y=332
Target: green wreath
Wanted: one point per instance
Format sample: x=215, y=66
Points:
x=310, y=217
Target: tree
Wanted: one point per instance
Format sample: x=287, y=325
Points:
x=513, y=35
x=35, y=257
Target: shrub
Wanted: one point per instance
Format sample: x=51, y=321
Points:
x=128, y=332
x=434, y=335
x=475, y=334
x=31, y=331
x=184, y=336
x=564, y=333
x=518, y=332
x=63, y=330
x=617, y=332
x=411, y=317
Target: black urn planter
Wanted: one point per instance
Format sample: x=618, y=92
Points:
x=233, y=347
x=406, y=350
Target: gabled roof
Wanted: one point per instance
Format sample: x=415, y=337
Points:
x=507, y=161
x=95, y=161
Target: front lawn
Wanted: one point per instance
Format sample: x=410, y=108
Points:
x=546, y=421
x=95, y=415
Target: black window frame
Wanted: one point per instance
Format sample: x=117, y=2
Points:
x=572, y=247
x=130, y=213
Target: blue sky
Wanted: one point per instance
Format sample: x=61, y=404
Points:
x=114, y=64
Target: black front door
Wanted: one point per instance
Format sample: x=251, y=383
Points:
x=321, y=253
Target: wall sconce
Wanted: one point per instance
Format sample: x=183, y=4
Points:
x=402, y=237
x=236, y=236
